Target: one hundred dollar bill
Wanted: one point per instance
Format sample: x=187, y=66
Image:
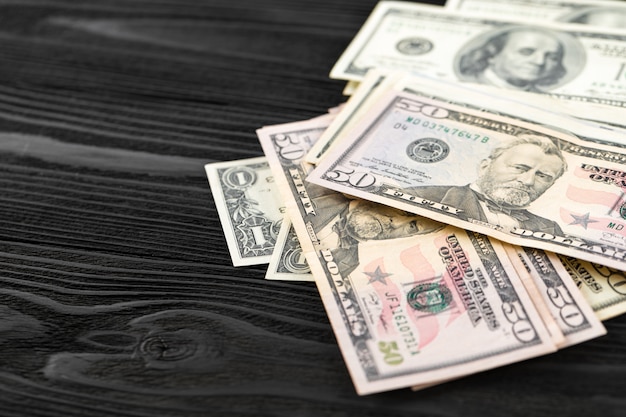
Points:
x=605, y=14
x=519, y=182
x=575, y=318
x=540, y=110
x=604, y=116
x=377, y=83
x=249, y=208
x=411, y=301
x=579, y=63
x=604, y=288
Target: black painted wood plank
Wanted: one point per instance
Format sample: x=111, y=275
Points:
x=117, y=295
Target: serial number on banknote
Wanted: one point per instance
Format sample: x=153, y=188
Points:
x=439, y=127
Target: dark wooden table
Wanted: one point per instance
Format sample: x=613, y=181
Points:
x=117, y=293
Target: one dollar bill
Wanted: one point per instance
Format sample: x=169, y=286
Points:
x=252, y=214
x=604, y=288
x=288, y=262
x=250, y=211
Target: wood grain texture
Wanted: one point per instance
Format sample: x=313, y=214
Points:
x=117, y=295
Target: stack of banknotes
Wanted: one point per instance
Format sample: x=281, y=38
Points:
x=465, y=207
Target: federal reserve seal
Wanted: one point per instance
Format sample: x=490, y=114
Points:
x=414, y=46
x=430, y=298
x=428, y=150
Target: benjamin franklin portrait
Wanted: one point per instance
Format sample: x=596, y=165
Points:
x=521, y=57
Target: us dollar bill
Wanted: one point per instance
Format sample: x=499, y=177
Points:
x=579, y=63
x=605, y=14
x=400, y=290
x=377, y=82
x=603, y=116
x=249, y=208
x=350, y=88
x=604, y=288
x=568, y=307
x=540, y=110
x=373, y=85
x=288, y=262
x=519, y=182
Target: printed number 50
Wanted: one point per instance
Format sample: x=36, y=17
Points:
x=390, y=352
x=523, y=330
x=354, y=178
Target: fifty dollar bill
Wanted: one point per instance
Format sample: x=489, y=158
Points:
x=603, y=288
x=554, y=286
x=420, y=155
x=400, y=290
